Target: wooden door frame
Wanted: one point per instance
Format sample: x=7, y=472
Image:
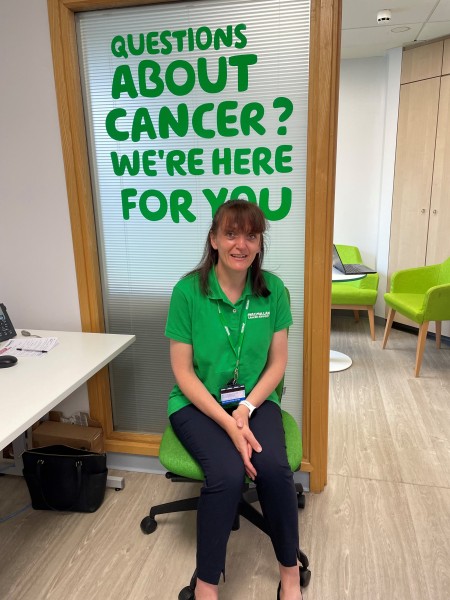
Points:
x=321, y=161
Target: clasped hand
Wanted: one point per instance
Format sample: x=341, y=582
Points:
x=244, y=440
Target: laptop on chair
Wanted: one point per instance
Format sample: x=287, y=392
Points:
x=349, y=269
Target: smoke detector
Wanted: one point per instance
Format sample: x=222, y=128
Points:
x=384, y=16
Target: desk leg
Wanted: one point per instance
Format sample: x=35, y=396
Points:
x=20, y=444
x=339, y=361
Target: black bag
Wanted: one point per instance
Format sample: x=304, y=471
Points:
x=65, y=478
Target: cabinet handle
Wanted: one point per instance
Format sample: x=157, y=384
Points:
x=422, y=211
x=434, y=212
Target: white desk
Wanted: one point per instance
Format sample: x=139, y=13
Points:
x=338, y=360
x=34, y=386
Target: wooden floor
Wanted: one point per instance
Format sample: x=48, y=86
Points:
x=380, y=530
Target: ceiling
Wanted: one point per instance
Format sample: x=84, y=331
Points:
x=362, y=36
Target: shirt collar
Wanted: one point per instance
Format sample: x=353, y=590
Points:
x=216, y=293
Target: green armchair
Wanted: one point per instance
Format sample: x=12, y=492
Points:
x=355, y=295
x=422, y=295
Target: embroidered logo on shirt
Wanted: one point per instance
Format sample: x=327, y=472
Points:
x=259, y=315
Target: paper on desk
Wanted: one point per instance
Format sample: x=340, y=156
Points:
x=28, y=347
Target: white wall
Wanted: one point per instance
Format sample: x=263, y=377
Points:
x=362, y=98
x=37, y=271
x=367, y=128
x=394, y=67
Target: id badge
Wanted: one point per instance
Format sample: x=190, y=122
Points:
x=231, y=395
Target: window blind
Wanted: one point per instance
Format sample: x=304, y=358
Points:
x=186, y=105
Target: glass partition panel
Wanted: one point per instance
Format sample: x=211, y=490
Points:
x=189, y=104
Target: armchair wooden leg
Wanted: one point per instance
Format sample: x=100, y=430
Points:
x=421, y=346
x=371, y=321
x=356, y=315
x=438, y=334
x=387, y=329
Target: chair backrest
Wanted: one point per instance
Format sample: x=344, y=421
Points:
x=352, y=255
x=444, y=272
x=349, y=254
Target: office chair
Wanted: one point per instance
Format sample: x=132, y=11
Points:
x=181, y=467
x=355, y=295
x=421, y=294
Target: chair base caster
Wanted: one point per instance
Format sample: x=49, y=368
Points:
x=148, y=525
x=186, y=593
x=301, y=500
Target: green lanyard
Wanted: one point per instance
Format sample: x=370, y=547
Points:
x=237, y=350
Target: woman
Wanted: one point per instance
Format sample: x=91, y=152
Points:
x=227, y=326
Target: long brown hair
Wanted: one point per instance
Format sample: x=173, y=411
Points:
x=244, y=216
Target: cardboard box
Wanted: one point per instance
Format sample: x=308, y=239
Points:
x=53, y=432
x=56, y=415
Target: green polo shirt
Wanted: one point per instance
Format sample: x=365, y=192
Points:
x=194, y=319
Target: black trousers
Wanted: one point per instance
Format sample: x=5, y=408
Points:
x=224, y=475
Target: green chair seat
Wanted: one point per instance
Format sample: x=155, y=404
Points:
x=346, y=293
x=176, y=459
x=409, y=305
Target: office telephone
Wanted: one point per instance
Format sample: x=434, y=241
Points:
x=7, y=330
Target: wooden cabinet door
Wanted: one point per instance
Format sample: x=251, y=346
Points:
x=446, y=58
x=416, y=137
x=438, y=248
x=422, y=62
